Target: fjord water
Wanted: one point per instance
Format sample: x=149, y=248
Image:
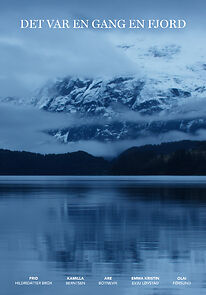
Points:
x=54, y=227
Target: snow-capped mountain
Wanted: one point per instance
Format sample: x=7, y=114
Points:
x=167, y=93
x=108, y=97
x=128, y=106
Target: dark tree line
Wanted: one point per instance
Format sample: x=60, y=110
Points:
x=177, y=158
x=77, y=163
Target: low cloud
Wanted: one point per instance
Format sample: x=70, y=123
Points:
x=23, y=129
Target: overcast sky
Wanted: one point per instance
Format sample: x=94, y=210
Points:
x=29, y=57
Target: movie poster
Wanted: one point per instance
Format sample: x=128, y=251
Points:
x=102, y=147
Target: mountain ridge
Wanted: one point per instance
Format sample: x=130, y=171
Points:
x=166, y=94
x=177, y=158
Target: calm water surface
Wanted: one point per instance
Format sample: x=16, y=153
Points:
x=55, y=227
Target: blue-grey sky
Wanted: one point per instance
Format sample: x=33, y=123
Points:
x=29, y=58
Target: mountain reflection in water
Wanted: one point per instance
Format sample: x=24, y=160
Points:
x=95, y=227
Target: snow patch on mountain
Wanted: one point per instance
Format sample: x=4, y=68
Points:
x=167, y=94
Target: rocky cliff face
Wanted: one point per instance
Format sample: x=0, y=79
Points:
x=168, y=94
x=108, y=97
x=125, y=107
